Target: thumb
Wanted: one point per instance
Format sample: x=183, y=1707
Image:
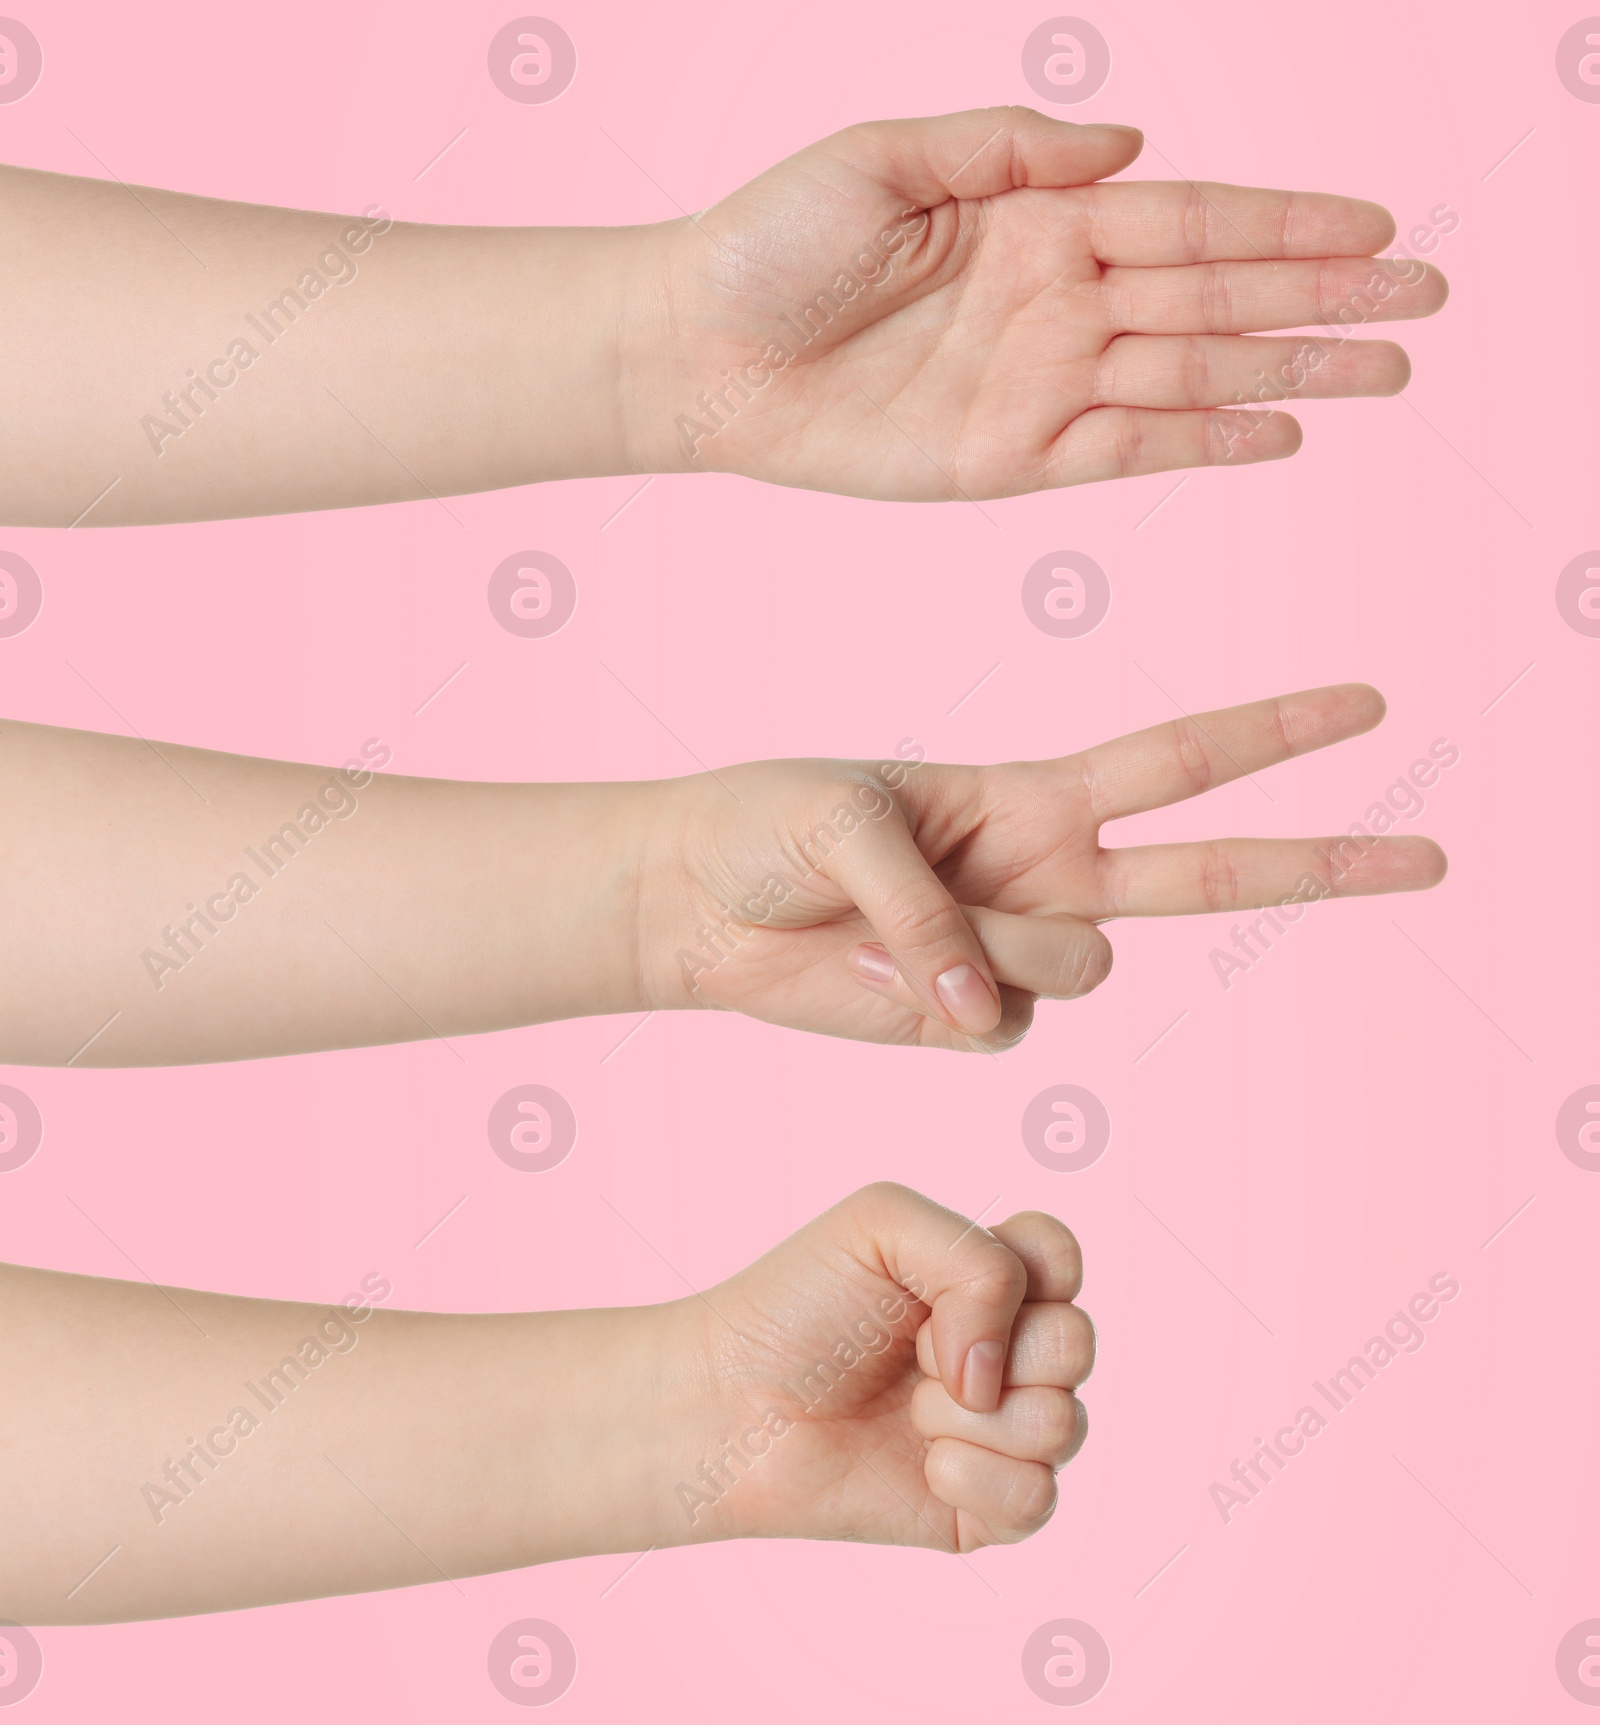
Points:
x=972, y=1283
x=982, y=152
x=930, y=943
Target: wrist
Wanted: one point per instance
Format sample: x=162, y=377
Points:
x=685, y=1420
x=580, y=874
x=681, y=930
x=573, y=339
x=614, y=1411
x=652, y=362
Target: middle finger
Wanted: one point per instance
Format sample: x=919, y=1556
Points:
x=1234, y=298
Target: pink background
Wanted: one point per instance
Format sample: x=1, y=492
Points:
x=1365, y=1108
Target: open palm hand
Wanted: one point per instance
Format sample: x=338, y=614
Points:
x=958, y=308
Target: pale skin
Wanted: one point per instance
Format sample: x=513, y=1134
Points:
x=417, y=1447
x=932, y=310
x=168, y=904
x=936, y=309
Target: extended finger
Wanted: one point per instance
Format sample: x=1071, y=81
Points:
x=1166, y=763
x=1146, y=222
x=1120, y=442
x=981, y=152
x=1172, y=371
x=1233, y=298
x=1242, y=874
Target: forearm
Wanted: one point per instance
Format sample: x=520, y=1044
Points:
x=206, y=359
x=231, y=1452
x=167, y=904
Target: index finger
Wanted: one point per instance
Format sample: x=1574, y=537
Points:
x=1049, y=1251
x=1168, y=763
x=972, y=1284
x=1143, y=222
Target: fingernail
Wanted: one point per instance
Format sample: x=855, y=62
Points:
x=981, y=1376
x=966, y=997
x=873, y=963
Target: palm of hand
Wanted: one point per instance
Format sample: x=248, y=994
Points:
x=947, y=367
x=964, y=307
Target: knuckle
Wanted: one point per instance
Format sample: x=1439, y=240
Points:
x=1055, y=1424
x=1279, y=715
x=928, y=1402
x=1130, y=441
x=1219, y=878
x=1216, y=297
x=1001, y=1278
x=921, y=916
x=1196, y=219
x=1058, y=1354
x=1108, y=373
x=1050, y=1228
x=1322, y=291
x=1079, y=1345
x=1114, y=882
x=1030, y=1500
x=882, y=1197
x=1194, y=373
x=939, y=1467
x=1192, y=756
x=1083, y=966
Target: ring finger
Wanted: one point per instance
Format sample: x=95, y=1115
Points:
x=1173, y=371
x=1030, y=1424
